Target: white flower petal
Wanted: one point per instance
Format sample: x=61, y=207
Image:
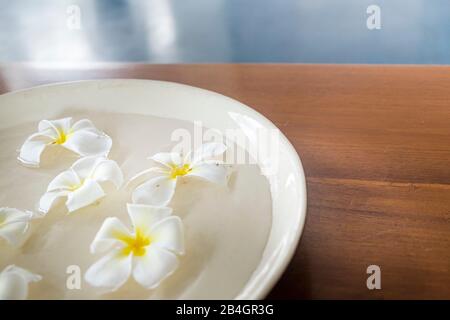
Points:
x=84, y=124
x=213, y=172
x=207, y=151
x=145, y=216
x=14, y=232
x=168, y=159
x=27, y=275
x=60, y=125
x=13, y=287
x=99, y=169
x=14, y=224
x=32, y=148
x=108, y=170
x=141, y=176
x=89, y=192
x=157, y=191
x=14, y=283
x=153, y=267
x=85, y=166
x=168, y=234
x=64, y=181
x=47, y=200
x=107, y=236
x=8, y=215
x=88, y=143
x=111, y=271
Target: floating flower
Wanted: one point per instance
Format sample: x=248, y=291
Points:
x=14, y=225
x=14, y=283
x=148, y=252
x=81, y=137
x=160, y=189
x=81, y=183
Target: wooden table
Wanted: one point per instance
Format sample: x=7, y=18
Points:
x=375, y=145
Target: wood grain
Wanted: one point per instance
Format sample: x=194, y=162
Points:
x=375, y=145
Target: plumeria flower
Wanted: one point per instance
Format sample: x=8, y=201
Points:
x=81, y=184
x=81, y=137
x=14, y=225
x=148, y=252
x=14, y=283
x=171, y=167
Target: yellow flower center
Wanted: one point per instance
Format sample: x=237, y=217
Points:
x=62, y=137
x=76, y=186
x=178, y=171
x=135, y=244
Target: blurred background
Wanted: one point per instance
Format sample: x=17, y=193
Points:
x=196, y=31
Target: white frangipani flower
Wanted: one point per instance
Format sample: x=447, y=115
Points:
x=81, y=183
x=148, y=252
x=81, y=137
x=160, y=189
x=14, y=283
x=14, y=225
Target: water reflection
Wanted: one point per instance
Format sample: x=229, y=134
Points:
x=327, y=31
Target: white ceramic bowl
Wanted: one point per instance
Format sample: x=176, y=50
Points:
x=184, y=102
